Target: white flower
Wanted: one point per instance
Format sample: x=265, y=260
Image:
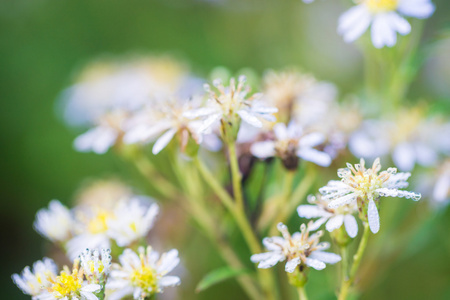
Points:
x=299, y=249
x=365, y=187
x=54, y=223
x=333, y=217
x=232, y=104
x=35, y=282
x=142, y=275
x=289, y=143
x=70, y=286
x=385, y=19
x=133, y=221
x=96, y=269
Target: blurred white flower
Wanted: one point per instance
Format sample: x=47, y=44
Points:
x=133, y=220
x=36, y=282
x=70, y=286
x=365, y=187
x=385, y=18
x=299, y=249
x=54, y=223
x=142, y=275
x=95, y=269
x=333, y=217
x=290, y=142
x=232, y=104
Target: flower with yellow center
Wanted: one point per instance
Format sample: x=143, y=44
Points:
x=365, y=187
x=35, y=282
x=71, y=285
x=300, y=249
x=142, y=274
x=385, y=18
x=95, y=269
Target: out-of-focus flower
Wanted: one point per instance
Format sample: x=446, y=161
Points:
x=289, y=144
x=133, y=221
x=106, y=193
x=334, y=217
x=441, y=189
x=35, y=282
x=365, y=187
x=299, y=249
x=162, y=121
x=385, y=19
x=54, y=223
x=95, y=269
x=142, y=275
x=70, y=286
x=230, y=105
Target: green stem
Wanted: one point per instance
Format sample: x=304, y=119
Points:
x=346, y=284
x=344, y=264
x=302, y=293
x=236, y=176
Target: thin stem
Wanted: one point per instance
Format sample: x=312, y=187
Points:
x=235, y=175
x=346, y=285
x=344, y=264
x=302, y=293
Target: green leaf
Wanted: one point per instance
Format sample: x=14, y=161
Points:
x=217, y=276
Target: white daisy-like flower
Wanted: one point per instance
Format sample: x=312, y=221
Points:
x=385, y=18
x=96, y=269
x=162, y=121
x=142, y=275
x=103, y=136
x=289, y=144
x=333, y=217
x=300, y=249
x=133, y=220
x=232, y=104
x=54, y=223
x=365, y=187
x=70, y=286
x=36, y=282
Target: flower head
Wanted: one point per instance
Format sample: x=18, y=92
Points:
x=290, y=143
x=71, y=285
x=96, y=269
x=143, y=274
x=35, y=282
x=365, y=187
x=54, y=223
x=386, y=19
x=333, y=217
x=301, y=248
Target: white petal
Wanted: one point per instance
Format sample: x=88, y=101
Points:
x=335, y=223
x=311, y=211
x=426, y=155
x=373, y=217
x=280, y=131
x=316, y=225
x=249, y=118
x=399, y=24
x=314, y=263
x=383, y=34
x=91, y=288
x=404, y=157
x=354, y=22
x=326, y=257
x=169, y=281
x=318, y=157
x=88, y=295
x=312, y=139
x=347, y=199
x=416, y=8
x=271, y=261
x=292, y=264
x=351, y=226
x=163, y=141
x=263, y=149
x=169, y=261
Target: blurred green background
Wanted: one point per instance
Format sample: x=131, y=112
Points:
x=42, y=43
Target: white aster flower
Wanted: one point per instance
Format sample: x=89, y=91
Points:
x=385, y=18
x=54, y=223
x=230, y=105
x=333, y=217
x=365, y=187
x=133, y=220
x=36, y=282
x=289, y=144
x=70, y=286
x=96, y=269
x=142, y=275
x=300, y=249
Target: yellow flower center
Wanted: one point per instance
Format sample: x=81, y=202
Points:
x=367, y=183
x=66, y=284
x=91, y=266
x=98, y=223
x=377, y=6
x=145, y=278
